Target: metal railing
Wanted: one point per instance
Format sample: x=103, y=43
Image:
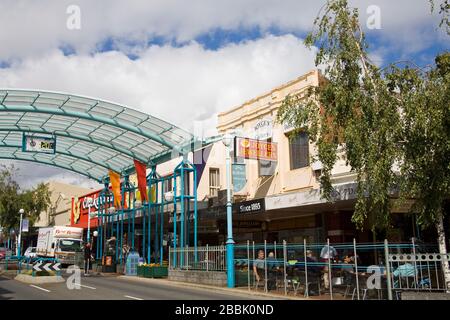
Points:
x=24, y=264
x=208, y=258
x=358, y=271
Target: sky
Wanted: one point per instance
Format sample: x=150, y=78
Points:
x=184, y=61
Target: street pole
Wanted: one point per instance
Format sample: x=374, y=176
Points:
x=227, y=140
x=21, y=211
x=89, y=221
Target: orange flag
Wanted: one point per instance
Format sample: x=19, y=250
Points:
x=114, y=177
x=141, y=172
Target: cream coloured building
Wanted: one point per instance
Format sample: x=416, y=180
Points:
x=61, y=204
x=279, y=200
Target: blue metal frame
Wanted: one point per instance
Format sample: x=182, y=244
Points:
x=182, y=172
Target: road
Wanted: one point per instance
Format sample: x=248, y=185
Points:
x=108, y=288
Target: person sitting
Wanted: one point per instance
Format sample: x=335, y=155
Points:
x=348, y=270
x=272, y=269
x=402, y=272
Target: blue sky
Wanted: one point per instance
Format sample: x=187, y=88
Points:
x=186, y=61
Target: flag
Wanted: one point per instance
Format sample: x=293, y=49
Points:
x=141, y=172
x=114, y=177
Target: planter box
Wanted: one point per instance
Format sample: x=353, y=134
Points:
x=160, y=272
x=152, y=272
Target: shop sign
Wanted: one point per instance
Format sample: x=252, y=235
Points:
x=253, y=206
x=239, y=176
x=311, y=197
x=287, y=127
x=263, y=130
x=33, y=143
x=254, y=149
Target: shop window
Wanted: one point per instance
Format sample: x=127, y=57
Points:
x=299, y=150
x=266, y=167
x=168, y=185
x=214, y=182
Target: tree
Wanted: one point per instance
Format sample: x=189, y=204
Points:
x=394, y=142
x=444, y=8
x=12, y=199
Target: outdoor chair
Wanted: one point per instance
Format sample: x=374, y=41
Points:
x=362, y=284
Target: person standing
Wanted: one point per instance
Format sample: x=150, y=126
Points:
x=259, y=267
x=87, y=258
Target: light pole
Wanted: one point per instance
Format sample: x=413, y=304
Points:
x=21, y=211
x=89, y=200
x=227, y=141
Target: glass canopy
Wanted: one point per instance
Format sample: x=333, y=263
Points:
x=92, y=136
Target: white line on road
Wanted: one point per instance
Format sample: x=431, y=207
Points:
x=84, y=286
x=32, y=285
x=133, y=298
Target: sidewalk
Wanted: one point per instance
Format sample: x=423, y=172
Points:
x=241, y=292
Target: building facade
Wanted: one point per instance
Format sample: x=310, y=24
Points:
x=274, y=199
x=60, y=210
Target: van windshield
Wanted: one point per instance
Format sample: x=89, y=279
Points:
x=70, y=245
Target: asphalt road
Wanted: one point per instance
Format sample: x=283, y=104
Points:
x=108, y=288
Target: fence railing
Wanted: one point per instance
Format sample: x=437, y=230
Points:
x=208, y=258
x=340, y=270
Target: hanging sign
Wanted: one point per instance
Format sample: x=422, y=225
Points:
x=255, y=149
x=25, y=224
x=33, y=143
x=239, y=177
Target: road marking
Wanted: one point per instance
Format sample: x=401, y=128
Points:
x=84, y=286
x=133, y=298
x=32, y=285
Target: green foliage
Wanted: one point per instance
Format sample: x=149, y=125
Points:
x=424, y=101
x=444, y=8
x=12, y=199
x=380, y=118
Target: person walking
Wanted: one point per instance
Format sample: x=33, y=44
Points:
x=87, y=258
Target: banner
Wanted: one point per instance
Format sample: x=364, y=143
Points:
x=239, y=177
x=114, y=178
x=25, y=225
x=141, y=172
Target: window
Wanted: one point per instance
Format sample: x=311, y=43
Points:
x=168, y=185
x=266, y=167
x=214, y=182
x=299, y=150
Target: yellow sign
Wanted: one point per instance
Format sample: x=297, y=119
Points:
x=255, y=149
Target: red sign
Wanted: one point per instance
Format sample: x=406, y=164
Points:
x=80, y=209
x=256, y=149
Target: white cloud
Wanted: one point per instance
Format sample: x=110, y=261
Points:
x=178, y=84
x=36, y=27
x=186, y=83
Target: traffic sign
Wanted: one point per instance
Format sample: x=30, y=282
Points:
x=50, y=266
